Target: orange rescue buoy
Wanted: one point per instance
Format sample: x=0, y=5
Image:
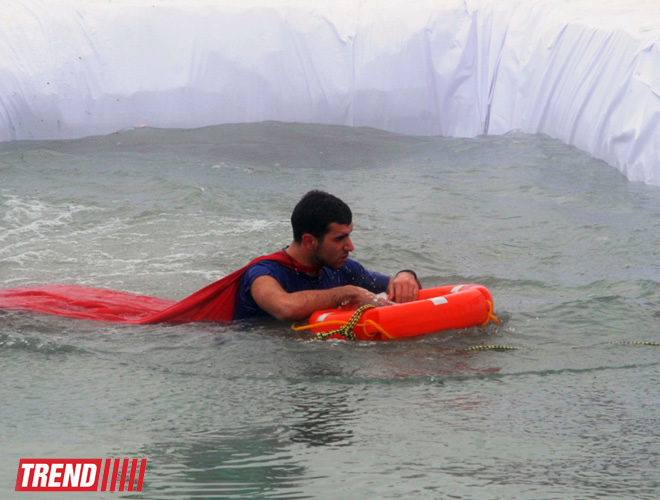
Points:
x=440, y=308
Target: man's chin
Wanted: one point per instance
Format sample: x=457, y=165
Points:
x=335, y=265
x=341, y=263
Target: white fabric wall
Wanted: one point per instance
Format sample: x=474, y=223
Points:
x=584, y=71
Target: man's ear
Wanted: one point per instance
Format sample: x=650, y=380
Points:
x=309, y=242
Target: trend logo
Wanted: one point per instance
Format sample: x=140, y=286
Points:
x=80, y=474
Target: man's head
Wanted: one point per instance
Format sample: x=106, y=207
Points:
x=315, y=212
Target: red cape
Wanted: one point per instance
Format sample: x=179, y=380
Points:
x=214, y=302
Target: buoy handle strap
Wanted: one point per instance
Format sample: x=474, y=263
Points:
x=491, y=316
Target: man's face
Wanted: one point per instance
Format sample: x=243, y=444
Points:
x=332, y=250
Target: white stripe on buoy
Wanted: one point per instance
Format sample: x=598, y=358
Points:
x=322, y=317
x=457, y=288
x=438, y=301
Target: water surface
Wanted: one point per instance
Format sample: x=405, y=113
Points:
x=567, y=246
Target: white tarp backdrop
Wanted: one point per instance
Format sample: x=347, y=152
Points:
x=584, y=71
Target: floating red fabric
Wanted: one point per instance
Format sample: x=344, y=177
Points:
x=214, y=302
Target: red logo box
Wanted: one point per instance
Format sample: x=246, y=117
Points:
x=79, y=474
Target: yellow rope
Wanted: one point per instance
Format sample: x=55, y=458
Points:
x=511, y=348
x=377, y=327
x=636, y=342
x=346, y=330
x=368, y=322
x=299, y=328
x=492, y=348
x=491, y=316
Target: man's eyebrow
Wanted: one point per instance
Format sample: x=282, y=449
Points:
x=343, y=235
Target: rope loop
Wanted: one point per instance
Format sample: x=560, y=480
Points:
x=491, y=316
x=346, y=330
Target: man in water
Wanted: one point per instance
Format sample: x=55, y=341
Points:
x=321, y=275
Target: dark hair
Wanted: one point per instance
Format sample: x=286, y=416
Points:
x=315, y=212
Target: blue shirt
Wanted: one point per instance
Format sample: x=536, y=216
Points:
x=351, y=273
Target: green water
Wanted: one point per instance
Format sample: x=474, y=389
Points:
x=567, y=246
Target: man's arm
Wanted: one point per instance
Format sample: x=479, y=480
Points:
x=285, y=306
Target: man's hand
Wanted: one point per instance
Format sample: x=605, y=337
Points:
x=403, y=287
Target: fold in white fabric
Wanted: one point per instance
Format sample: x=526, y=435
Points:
x=583, y=71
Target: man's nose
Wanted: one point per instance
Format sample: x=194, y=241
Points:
x=349, y=245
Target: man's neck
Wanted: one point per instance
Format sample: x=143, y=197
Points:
x=298, y=253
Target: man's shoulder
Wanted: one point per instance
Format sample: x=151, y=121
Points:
x=263, y=267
